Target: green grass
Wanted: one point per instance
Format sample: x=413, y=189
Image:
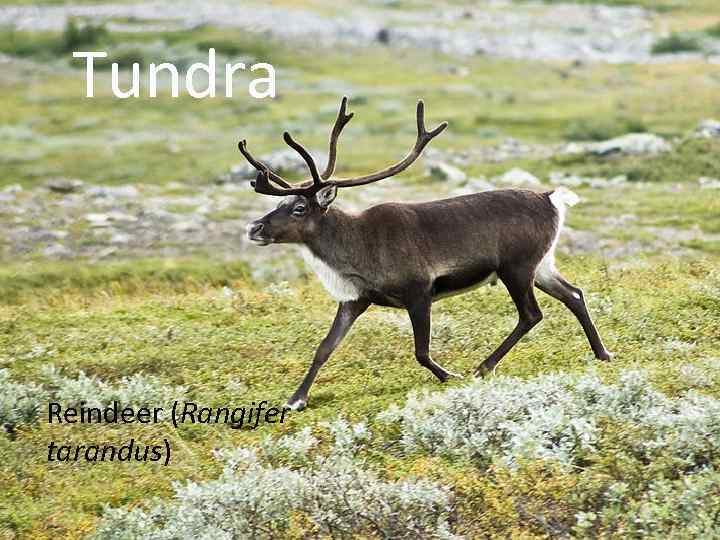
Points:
x=602, y=130
x=713, y=31
x=22, y=281
x=117, y=321
x=687, y=162
x=547, y=106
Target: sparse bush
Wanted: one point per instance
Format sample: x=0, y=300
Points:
x=252, y=498
x=713, y=31
x=562, y=418
x=21, y=402
x=676, y=43
x=576, y=420
x=602, y=130
x=688, y=507
x=28, y=44
x=76, y=35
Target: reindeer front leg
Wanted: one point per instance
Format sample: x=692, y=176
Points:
x=419, y=311
x=346, y=315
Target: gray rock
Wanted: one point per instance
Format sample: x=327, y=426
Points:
x=56, y=251
x=632, y=144
x=126, y=191
x=708, y=129
x=186, y=226
x=64, y=185
x=479, y=184
x=517, y=177
x=120, y=238
x=440, y=170
x=105, y=252
x=105, y=220
x=709, y=183
x=574, y=180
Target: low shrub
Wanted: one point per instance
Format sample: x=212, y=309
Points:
x=332, y=494
x=602, y=130
x=557, y=454
x=562, y=418
x=713, y=31
x=688, y=507
x=78, y=35
x=676, y=43
x=20, y=403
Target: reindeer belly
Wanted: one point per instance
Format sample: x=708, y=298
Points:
x=452, y=284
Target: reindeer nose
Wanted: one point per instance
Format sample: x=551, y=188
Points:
x=254, y=228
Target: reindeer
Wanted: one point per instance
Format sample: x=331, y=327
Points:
x=409, y=255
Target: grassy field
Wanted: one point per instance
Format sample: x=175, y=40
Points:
x=175, y=322
x=89, y=138
x=206, y=322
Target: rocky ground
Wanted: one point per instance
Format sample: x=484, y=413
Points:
x=122, y=216
x=498, y=28
x=69, y=218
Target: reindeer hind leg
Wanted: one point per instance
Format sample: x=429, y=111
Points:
x=551, y=282
x=519, y=283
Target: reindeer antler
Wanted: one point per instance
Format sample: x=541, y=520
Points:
x=265, y=175
x=300, y=149
x=423, y=138
x=342, y=119
x=242, y=146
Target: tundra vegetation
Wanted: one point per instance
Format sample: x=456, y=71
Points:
x=125, y=277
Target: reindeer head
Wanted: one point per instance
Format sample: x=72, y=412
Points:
x=299, y=213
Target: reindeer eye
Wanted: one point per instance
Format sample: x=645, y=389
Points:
x=299, y=210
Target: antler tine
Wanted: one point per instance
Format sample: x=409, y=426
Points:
x=423, y=138
x=279, y=180
x=300, y=149
x=262, y=185
x=343, y=118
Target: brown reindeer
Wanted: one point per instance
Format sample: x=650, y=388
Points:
x=409, y=255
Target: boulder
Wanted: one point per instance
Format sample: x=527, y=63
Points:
x=573, y=180
x=632, y=144
x=517, y=177
x=104, y=220
x=64, y=185
x=479, y=184
x=708, y=129
x=709, y=183
x=439, y=170
x=110, y=192
x=187, y=226
x=56, y=251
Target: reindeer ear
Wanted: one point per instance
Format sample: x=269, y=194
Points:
x=326, y=195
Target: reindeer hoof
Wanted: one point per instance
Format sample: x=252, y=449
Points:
x=296, y=404
x=453, y=375
x=482, y=372
x=606, y=356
